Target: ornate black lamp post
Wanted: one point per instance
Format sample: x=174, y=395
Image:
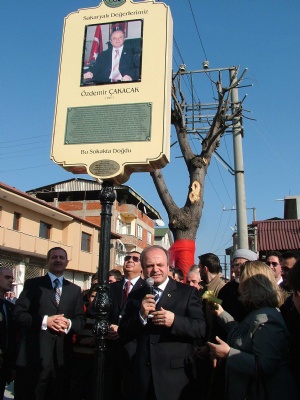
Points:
x=102, y=303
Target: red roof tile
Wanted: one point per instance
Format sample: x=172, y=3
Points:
x=279, y=235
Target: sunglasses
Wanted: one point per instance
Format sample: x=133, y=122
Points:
x=134, y=258
x=273, y=263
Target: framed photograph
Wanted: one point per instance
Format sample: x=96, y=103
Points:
x=112, y=53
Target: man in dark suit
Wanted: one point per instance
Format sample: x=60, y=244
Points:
x=49, y=311
x=120, y=358
x=7, y=332
x=165, y=326
x=118, y=63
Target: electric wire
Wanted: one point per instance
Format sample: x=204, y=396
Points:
x=192, y=90
x=199, y=36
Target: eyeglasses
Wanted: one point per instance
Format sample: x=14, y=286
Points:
x=134, y=258
x=273, y=263
x=238, y=265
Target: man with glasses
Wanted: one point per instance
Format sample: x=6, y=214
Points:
x=120, y=357
x=273, y=260
x=118, y=63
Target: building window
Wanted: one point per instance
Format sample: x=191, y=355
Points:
x=86, y=242
x=139, y=232
x=124, y=228
x=149, y=238
x=120, y=252
x=16, y=221
x=44, y=230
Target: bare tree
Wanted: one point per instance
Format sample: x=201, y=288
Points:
x=184, y=221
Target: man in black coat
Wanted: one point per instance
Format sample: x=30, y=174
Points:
x=7, y=331
x=120, y=357
x=125, y=70
x=165, y=326
x=49, y=311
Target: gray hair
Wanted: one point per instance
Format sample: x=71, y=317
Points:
x=154, y=247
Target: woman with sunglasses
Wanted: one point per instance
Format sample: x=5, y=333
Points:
x=256, y=351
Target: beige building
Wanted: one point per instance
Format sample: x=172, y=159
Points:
x=29, y=227
x=67, y=214
x=133, y=218
x=163, y=237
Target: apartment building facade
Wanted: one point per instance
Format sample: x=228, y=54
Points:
x=133, y=218
x=29, y=227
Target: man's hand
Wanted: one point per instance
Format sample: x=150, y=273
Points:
x=147, y=306
x=163, y=318
x=201, y=352
x=58, y=323
x=88, y=75
x=113, y=332
x=126, y=78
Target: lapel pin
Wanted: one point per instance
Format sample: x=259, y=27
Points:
x=169, y=295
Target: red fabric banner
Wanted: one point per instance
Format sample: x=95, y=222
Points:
x=182, y=255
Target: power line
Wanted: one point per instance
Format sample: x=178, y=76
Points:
x=21, y=151
x=177, y=48
x=20, y=139
x=197, y=29
x=22, y=169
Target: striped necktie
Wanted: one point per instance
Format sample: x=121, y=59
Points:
x=115, y=73
x=126, y=291
x=57, y=290
x=156, y=292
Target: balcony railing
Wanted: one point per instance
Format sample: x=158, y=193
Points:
x=28, y=244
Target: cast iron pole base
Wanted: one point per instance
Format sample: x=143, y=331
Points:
x=102, y=303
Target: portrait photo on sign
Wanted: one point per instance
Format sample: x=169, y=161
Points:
x=112, y=53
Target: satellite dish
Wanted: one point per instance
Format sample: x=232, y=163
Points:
x=159, y=222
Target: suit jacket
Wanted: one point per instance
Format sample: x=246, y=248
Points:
x=262, y=333
x=37, y=346
x=9, y=354
x=292, y=319
x=103, y=65
x=165, y=355
x=116, y=294
x=120, y=356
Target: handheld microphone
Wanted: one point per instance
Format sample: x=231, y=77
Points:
x=150, y=284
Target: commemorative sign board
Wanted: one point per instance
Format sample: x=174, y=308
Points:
x=113, y=103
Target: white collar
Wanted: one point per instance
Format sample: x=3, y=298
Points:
x=133, y=281
x=53, y=277
x=163, y=285
x=119, y=48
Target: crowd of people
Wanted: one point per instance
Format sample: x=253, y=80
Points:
x=171, y=337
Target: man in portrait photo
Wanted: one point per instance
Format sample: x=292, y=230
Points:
x=121, y=62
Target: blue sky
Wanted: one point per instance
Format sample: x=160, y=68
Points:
x=261, y=35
